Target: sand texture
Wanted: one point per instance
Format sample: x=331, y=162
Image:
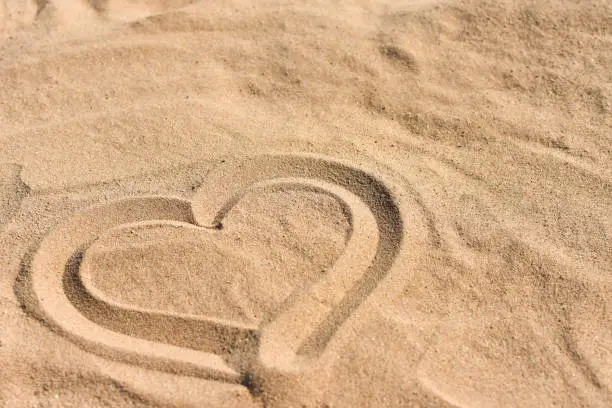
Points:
x=305, y=204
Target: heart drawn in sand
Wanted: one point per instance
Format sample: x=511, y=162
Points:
x=210, y=346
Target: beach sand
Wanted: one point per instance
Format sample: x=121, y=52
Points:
x=305, y=203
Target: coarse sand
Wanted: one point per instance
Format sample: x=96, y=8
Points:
x=305, y=203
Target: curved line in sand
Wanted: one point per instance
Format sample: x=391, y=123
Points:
x=327, y=304
x=50, y=269
x=69, y=301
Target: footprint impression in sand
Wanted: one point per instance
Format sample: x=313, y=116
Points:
x=223, y=336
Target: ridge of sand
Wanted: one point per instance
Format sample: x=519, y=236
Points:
x=12, y=191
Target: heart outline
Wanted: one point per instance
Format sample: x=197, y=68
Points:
x=369, y=200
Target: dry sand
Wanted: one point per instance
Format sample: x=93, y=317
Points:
x=266, y=203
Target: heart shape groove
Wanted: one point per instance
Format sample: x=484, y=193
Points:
x=68, y=300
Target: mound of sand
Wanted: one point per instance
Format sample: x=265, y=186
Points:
x=433, y=228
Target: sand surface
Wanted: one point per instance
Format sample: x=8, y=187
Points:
x=305, y=203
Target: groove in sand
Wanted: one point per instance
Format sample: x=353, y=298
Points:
x=194, y=345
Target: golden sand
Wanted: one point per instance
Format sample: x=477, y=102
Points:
x=347, y=204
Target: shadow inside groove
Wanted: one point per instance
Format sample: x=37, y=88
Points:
x=391, y=227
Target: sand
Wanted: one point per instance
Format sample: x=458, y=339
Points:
x=305, y=204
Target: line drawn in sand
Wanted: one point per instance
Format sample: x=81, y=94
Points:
x=61, y=282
